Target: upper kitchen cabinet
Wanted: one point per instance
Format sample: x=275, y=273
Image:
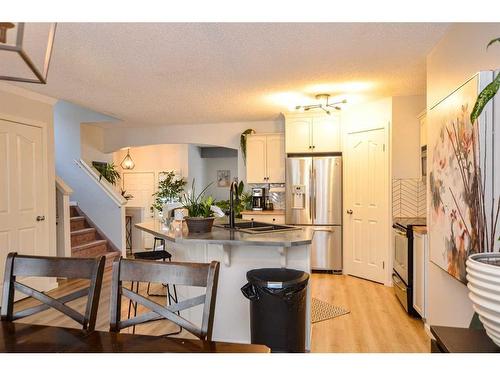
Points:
x=265, y=158
x=312, y=133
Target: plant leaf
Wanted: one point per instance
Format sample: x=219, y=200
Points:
x=484, y=97
x=493, y=41
x=243, y=142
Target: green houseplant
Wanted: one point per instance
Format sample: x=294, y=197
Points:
x=243, y=142
x=169, y=189
x=200, y=217
x=244, y=201
x=108, y=171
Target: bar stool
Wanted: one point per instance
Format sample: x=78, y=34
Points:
x=162, y=255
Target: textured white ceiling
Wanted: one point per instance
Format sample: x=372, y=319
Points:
x=161, y=74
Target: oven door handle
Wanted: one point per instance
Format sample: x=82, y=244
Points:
x=400, y=232
x=397, y=282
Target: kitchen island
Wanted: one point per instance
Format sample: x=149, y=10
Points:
x=237, y=253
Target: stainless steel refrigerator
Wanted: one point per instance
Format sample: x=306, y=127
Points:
x=314, y=198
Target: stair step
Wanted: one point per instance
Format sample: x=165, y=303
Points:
x=77, y=222
x=110, y=257
x=83, y=236
x=90, y=249
x=73, y=211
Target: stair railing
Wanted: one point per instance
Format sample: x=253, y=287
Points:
x=105, y=185
x=63, y=226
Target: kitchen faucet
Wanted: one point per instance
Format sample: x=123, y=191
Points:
x=233, y=199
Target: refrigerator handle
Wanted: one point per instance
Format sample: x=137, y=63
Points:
x=314, y=192
x=310, y=194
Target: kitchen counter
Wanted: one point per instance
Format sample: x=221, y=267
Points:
x=178, y=233
x=237, y=253
x=263, y=212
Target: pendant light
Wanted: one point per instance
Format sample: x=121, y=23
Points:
x=127, y=162
x=18, y=47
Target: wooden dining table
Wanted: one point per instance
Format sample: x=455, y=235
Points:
x=31, y=338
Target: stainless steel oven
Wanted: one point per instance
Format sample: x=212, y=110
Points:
x=400, y=261
x=402, y=264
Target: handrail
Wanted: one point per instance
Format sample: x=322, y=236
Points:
x=63, y=187
x=105, y=185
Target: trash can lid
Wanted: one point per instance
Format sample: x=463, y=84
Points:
x=277, y=278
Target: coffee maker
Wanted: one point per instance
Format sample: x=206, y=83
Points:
x=258, y=199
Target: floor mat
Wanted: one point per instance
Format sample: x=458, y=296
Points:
x=321, y=310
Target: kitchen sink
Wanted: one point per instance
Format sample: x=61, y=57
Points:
x=257, y=227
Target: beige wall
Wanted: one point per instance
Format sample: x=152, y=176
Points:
x=156, y=158
x=30, y=107
x=406, y=136
x=460, y=53
x=92, y=144
x=221, y=134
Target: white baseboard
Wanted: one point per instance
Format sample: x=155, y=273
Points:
x=427, y=329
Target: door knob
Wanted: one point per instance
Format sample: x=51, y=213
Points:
x=349, y=212
x=40, y=218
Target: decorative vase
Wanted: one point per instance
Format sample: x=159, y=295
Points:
x=199, y=224
x=483, y=281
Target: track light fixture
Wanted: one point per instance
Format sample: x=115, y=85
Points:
x=325, y=106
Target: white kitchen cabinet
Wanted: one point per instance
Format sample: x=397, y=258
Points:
x=312, y=133
x=265, y=218
x=326, y=134
x=298, y=135
x=420, y=260
x=265, y=158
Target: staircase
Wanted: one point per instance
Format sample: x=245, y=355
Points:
x=86, y=241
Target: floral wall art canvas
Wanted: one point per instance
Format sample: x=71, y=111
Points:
x=451, y=158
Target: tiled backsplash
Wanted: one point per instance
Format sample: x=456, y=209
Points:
x=277, y=197
x=408, y=197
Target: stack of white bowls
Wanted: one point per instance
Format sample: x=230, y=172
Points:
x=483, y=276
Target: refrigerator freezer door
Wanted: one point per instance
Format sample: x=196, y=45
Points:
x=327, y=190
x=326, y=250
x=298, y=192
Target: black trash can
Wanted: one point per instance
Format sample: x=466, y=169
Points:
x=277, y=308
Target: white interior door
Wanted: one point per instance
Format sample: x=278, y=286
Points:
x=366, y=216
x=23, y=195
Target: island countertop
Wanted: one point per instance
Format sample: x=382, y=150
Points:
x=178, y=233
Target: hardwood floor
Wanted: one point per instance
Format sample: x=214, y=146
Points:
x=377, y=323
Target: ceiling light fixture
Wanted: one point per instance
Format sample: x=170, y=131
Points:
x=127, y=162
x=17, y=47
x=324, y=106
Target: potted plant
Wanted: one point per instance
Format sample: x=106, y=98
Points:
x=243, y=142
x=244, y=201
x=483, y=266
x=108, y=171
x=169, y=190
x=200, y=217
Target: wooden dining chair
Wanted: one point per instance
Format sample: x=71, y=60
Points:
x=18, y=266
x=188, y=274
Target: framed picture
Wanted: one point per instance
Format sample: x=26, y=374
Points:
x=452, y=212
x=223, y=178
